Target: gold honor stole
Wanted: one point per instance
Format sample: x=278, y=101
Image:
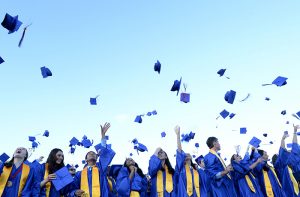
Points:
x=84, y=184
x=160, y=185
x=110, y=185
x=295, y=184
x=5, y=175
x=48, y=185
x=221, y=160
x=189, y=183
x=250, y=184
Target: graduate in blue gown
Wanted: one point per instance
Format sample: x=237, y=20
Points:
x=245, y=182
x=284, y=171
x=267, y=177
x=188, y=181
x=92, y=180
x=45, y=173
x=16, y=175
x=294, y=159
x=219, y=174
x=162, y=175
x=131, y=180
x=204, y=178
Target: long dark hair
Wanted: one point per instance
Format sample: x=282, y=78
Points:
x=10, y=163
x=139, y=170
x=168, y=164
x=51, y=161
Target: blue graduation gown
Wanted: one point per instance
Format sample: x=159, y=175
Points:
x=281, y=166
x=124, y=186
x=39, y=177
x=13, y=190
x=181, y=180
x=112, y=191
x=240, y=171
x=294, y=159
x=205, y=182
x=220, y=187
x=277, y=190
x=154, y=167
x=106, y=156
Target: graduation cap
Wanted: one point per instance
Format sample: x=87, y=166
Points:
x=286, y=132
x=83, y=161
x=267, y=99
x=138, y=119
x=225, y=159
x=72, y=150
x=84, y=137
x=198, y=159
x=34, y=144
x=63, y=178
x=149, y=113
x=297, y=115
x=231, y=115
x=130, y=154
x=255, y=142
x=289, y=145
x=140, y=147
x=1, y=60
x=221, y=72
x=298, y=133
x=46, y=72
x=93, y=100
x=194, y=156
x=86, y=143
x=230, y=96
x=279, y=81
x=157, y=67
x=191, y=135
x=185, y=97
x=154, y=112
x=287, y=122
x=243, y=130
x=76, y=166
x=271, y=142
x=197, y=145
x=46, y=133
x=265, y=134
x=107, y=137
x=114, y=170
x=176, y=86
x=99, y=147
x=283, y=112
x=134, y=141
x=31, y=138
x=74, y=141
x=11, y=23
x=68, y=166
x=224, y=113
x=163, y=134
x=4, y=157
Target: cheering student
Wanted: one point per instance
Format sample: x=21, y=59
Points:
x=203, y=176
x=162, y=175
x=245, y=182
x=92, y=180
x=219, y=174
x=188, y=182
x=266, y=175
x=284, y=171
x=16, y=175
x=45, y=174
x=131, y=180
x=294, y=159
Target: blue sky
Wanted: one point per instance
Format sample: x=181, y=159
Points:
x=108, y=48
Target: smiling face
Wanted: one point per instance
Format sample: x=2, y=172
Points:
x=91, y=156
x=21, y=153
x=188, y=158
x=237, y=158
x=217, y=145
x=162, y=155
x=59, y=157
x=265, y=156
x=129, y=162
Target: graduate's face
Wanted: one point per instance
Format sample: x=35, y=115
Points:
x=217, y=145
x=237, y=158
x=130, y=162
x=202, y=164
x=59, y=157
x=162, y=155
x=20, y=152
x=265, y=156
x=188, y=157
x=91, y=156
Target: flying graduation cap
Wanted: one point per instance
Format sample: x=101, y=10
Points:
x=1, y=60
x=157, y=67
x=46, y=133
x=224, y=113
x=184, y=96
x=93, y=100
x=138, y=119
x=12, y=24
x=176, y=86
x=297, y=115
x=221, y=72
x=283, y=112
x=46, y=72
x=279, y=81
x=243, y=130
x=163, y=134
x=230, y=96
x=4, y=157
x=140, y=147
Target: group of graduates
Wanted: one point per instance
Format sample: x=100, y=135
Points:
x=246, y=176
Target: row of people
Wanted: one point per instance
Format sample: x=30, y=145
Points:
x=209, y=176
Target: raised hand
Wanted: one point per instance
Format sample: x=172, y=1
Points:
x=177, y=130
x=104, y=129
x=296, y=127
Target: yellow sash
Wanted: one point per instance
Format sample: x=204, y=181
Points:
x=110, y=184
x=249, y=182
x=160, y=185
x=84, y=184
x=48, y=185
x=221, y=160
x=275, y=176
x=295, y=184
x=134, y=194
x=5, y=175
x=268, y=185
x=189, y=182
